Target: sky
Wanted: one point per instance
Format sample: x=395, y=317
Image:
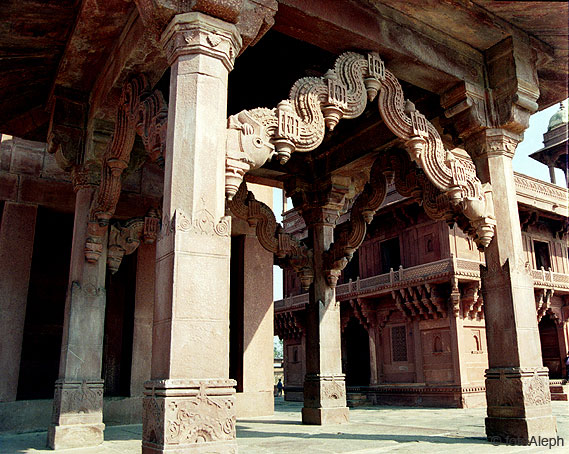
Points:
x=533, y=141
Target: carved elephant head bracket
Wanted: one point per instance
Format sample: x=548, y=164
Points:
x=289, y=252
x=140, y=111
x=124, y=238
x=298, y=124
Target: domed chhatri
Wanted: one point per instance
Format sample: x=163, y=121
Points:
x=560, y=117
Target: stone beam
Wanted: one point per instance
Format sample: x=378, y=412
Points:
x=434, y=63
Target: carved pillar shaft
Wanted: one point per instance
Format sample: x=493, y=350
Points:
x=77, y=419
x=189, y=403
x=17, y=233
x=517, y=386
x=373, y=376
x=324, y=384
x=143, y=314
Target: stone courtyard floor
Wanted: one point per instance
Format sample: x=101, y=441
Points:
x=371, y=430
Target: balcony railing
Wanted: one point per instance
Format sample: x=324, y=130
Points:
x=441, y=270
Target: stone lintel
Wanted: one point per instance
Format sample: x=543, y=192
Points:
x=196, y=33
x=189, y=416
x=519, y=404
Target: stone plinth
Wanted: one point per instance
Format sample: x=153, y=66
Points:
x=77, y=419
x=520, y=404
x=325, y=399
x=195, y=416
x=16, y=247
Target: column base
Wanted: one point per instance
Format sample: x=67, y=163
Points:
x=189, y=416
x=216, y=447
x=324, y=416
x=325, y=399
x=77, y=420
x=520, y=431
x=519, y=404
x=75, y=436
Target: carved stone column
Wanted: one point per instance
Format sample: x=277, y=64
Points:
x=143, y=315
x=17, y=233
x=256, y=398
x=324, y=384
x=189, y=403
x=77, y=419
x=517, y=384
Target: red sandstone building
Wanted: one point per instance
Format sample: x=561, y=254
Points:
x=412, y=309
x=136, y=252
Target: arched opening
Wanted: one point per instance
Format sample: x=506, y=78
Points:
x=357, y=354
x=550, y=346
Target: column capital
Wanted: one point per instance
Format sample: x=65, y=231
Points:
x=492, y=142
x=197, y=33
x=320, y=203
x=85, y=176
x=506, y=100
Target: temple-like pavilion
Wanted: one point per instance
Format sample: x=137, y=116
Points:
x=330, y=100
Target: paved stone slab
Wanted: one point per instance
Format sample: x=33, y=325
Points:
x=371, y=430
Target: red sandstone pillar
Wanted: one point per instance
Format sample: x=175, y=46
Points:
x=143, y=315
x=16, y=247
x=517, y=384
x=77, y=419
x=189, y=403
x=256, y=398
x=324, y=384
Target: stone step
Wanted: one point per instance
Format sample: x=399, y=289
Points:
x=559, y=396
x=558, y=388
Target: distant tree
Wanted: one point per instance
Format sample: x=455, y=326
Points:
x=277, y=347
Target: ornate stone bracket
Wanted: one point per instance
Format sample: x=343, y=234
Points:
x=350, y=235
x=543, y=304
x=473, y=302
x=139, y=112
x=422, y=302
x=124, y=238
x=298, y=124
x=289, y=324
x=287, y=249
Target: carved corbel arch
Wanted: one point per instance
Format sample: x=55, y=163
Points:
x=288, y=251
x=139, y=111
x=298, y=124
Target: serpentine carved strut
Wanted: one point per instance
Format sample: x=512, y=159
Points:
x=289, y=252
x=298, y=124
x=140, y=111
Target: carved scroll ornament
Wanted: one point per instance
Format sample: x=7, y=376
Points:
x=139, y=112
x=298, y=124
x=287, y=249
